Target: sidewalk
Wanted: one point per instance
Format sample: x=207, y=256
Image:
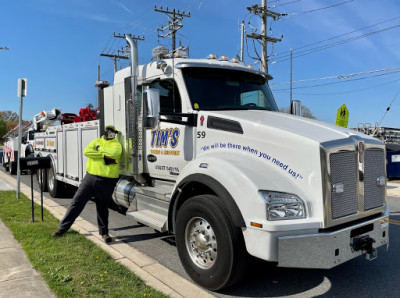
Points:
x=393, y=188
x=149, y=270
x=17, y=277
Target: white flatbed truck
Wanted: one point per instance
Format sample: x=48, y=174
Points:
x=208, y=157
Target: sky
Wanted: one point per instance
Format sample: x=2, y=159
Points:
x=344, y=51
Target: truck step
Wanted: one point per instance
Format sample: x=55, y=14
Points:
x=151, y=219
x=159, y=191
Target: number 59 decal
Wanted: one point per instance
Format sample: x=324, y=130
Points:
x=201, y=134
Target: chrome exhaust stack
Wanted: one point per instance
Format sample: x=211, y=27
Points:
x=135, y=115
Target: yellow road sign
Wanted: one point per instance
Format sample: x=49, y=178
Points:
x=342, y=117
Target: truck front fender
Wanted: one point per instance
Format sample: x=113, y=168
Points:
x=219, y=176
x=196, y=184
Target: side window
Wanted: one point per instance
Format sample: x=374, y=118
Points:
x=31, y=135
x=255, y=98
x=170, y=100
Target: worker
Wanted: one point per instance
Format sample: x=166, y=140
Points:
x=99, y=182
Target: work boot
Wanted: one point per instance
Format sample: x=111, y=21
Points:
x=59, y=233
x=107, y=238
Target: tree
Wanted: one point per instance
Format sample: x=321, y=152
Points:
x=8, y=116
x=11, y=124
x=305, y=111
x=3, y=128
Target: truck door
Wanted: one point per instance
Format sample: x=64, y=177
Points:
x=169, y=147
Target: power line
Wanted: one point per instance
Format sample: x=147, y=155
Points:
x=388, y=108
x=334, y=83
x=287, y=53
x=336, y=93
x=282, y=4
x=345, y=76
x=327, y=46
x=323, y=8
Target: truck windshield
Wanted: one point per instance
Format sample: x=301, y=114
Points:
x=225, y=89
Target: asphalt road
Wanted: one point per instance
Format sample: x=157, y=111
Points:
x=356, y=278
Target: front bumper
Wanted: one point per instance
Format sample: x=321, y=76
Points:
x=327, y=250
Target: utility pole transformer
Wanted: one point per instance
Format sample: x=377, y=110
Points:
x=174, y=25
x=264, y=13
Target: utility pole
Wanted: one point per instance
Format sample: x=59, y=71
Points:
x=264, y=32
x=134, y=37
x=291, y=80
x=118, y=56
x=114, y=58
x=264, y=13
x=242, y=32
x=174, y=25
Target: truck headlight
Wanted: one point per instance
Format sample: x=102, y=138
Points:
x=283, y=205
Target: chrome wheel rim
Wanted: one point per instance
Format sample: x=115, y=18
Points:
x=50, y=179
x=201, y=242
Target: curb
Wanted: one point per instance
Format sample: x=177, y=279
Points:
x=149, y=270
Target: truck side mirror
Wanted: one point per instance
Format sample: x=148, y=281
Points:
x=24, y=139
x=151, y=111
x=295, y=107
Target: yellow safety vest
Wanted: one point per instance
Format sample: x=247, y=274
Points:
x=96, y=164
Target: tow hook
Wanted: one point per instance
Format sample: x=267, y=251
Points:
x=364, y=244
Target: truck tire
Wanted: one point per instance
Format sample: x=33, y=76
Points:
x=12, y=167
x=210, y=248
x=29, y=152
x=42, y=179
x=5, y=165
x=54, y=186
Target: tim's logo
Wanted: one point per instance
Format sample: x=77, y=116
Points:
x=165, y=137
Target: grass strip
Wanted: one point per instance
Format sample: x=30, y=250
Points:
x=71, y=265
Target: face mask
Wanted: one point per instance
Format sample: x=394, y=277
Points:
x=110, y=134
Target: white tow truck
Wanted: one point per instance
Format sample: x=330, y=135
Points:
x=208, y=157
x=10, y=155
x=40, y=122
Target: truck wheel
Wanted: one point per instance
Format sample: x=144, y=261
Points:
x=42, y=179
x=12, y=167
x=210, y=248
x=5, y=165
x=54, y=186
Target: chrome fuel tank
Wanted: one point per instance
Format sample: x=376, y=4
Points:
x=124, y=193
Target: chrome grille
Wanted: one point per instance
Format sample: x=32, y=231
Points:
x=374, y=195
x=343, y=170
